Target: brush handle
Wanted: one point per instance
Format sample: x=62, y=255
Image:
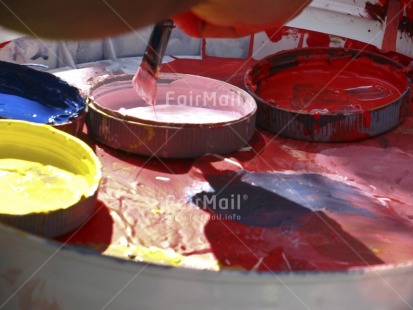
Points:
x=155, y=51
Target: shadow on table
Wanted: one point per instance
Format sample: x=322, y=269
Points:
x=275, y=221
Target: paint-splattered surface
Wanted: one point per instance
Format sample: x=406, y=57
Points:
x=277, y=204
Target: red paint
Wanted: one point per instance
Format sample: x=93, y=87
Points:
x=377, y=11
x=316, y=117
x=324, y=245
x=406, y=26
x=230, y=70
x=392, y=22
x=97, y=234
x=3, y=44
x=335, y=84
x=399, y=15
x=399, y=58
x=314, y=39
x=276, y=34
x=380, y=165
x=407, y=7
x=317, y=39
x=367, y=119
x=321, y=242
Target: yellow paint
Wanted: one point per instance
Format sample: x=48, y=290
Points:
x=159, y=256
x=46, y=145
x=31, y=187
x=142, y=141
x=151, y=254
x=150, y=133
x=376, y=250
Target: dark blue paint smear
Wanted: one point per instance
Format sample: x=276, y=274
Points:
x=40, y=97
x=274, y=199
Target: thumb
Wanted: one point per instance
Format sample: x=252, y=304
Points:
x=189, y=23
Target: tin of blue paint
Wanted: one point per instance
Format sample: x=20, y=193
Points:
x=40, y=97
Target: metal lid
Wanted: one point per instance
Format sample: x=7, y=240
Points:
x=193, y=116
x=329, y=94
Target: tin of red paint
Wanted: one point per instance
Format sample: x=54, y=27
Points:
x=329, y=94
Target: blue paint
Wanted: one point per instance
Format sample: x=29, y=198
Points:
x=279, y=199
x=312, y=191
x=15, y=107
x=40, y=97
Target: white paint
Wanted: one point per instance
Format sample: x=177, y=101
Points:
x=165, y=179
x=181, y=114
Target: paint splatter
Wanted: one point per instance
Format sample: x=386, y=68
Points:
x=276, y=34
x=316, y=39
x=313, y=39
x=3, y=44
x=377, y=11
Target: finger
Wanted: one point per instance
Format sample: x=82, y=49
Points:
x=189, y=23
x=196, y=27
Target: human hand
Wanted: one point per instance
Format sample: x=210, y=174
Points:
x=79, y=19
x=237, y=18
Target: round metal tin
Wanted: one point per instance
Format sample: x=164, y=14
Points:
x=49, y=146
x=40, y=97
x=172, y=135
x=304, y=106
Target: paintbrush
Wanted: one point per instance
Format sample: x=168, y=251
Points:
x=144, y=81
